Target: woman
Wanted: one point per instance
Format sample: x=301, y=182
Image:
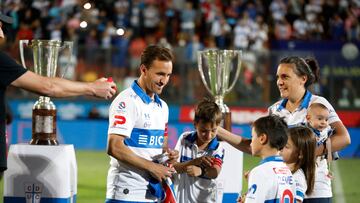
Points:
x=294, y=75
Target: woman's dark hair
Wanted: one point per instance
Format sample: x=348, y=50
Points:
x=305, y=143
x=304, y=66
x=155, y=52
x=275, y=128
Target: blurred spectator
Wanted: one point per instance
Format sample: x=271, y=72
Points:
x=94, y=113
x=315, y=29
x=336, y=27
x=188, y=16
x=171, y=22
x=278, y=9
x=120, y=55
x=242, y=33
x=137, y=45
x=151, y=18
x=260, y=36
x=220, y=30
x=348, y=94
x=352, y=27
x=283, y=30
x=301, y=28
x=136, y=17
x=313, y=9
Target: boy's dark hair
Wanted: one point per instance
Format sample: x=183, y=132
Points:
x=275, y=128
x=155, y=52
x=208, y=111
x=305, y=143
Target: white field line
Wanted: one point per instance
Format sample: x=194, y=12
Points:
x=339, y=196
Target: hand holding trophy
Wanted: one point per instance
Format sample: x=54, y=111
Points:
x=45, y=57
x=215, y=67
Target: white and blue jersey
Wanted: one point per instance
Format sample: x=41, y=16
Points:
x=271, y=181
x=322, y=187
x=301, y=185
x=142, y=121
x=196, y=189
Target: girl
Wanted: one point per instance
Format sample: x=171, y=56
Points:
x=299, y=155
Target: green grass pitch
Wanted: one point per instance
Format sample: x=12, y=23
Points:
x=93, y=165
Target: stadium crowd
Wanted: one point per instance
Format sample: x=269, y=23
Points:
x=110, y=35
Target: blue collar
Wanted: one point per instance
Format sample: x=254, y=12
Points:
x=304, y=103
x=213, y=145
x=271, y=158
x=144, y=97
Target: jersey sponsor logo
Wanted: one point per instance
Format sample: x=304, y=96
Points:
x=286, y=180
x=282, y=170
x=287, y=197
x=119, y=120
x=149, y=140
x=146, y=138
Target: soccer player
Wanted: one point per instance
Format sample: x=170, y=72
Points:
x=201, y=157
x=138, y=131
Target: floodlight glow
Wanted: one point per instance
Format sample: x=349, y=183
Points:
x=120, y=31
x=83, y=24
x=87, y=5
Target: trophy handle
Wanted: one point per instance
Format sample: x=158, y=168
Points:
x=238, y=68
x=21, y=46
x=69, y=45
x=202, y=72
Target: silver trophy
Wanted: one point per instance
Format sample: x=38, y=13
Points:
x=216, y=67
x=45, y=62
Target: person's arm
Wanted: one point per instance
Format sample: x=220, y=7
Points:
x=117, y=149
x=204, y=161
x=59, y=87
x=341, y=138
x=202, y=166
x=209, y=172
x=237, y=141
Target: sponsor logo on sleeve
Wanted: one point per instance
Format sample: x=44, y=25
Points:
x=122, y=105
x=119, y=120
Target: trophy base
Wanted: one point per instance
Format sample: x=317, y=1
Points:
x=44, y=127
x=43, y=141
x=227, y=121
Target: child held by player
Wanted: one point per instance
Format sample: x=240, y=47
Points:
x=317, y=119
x=200, y=157
x=272, y=179
x=299, y=156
